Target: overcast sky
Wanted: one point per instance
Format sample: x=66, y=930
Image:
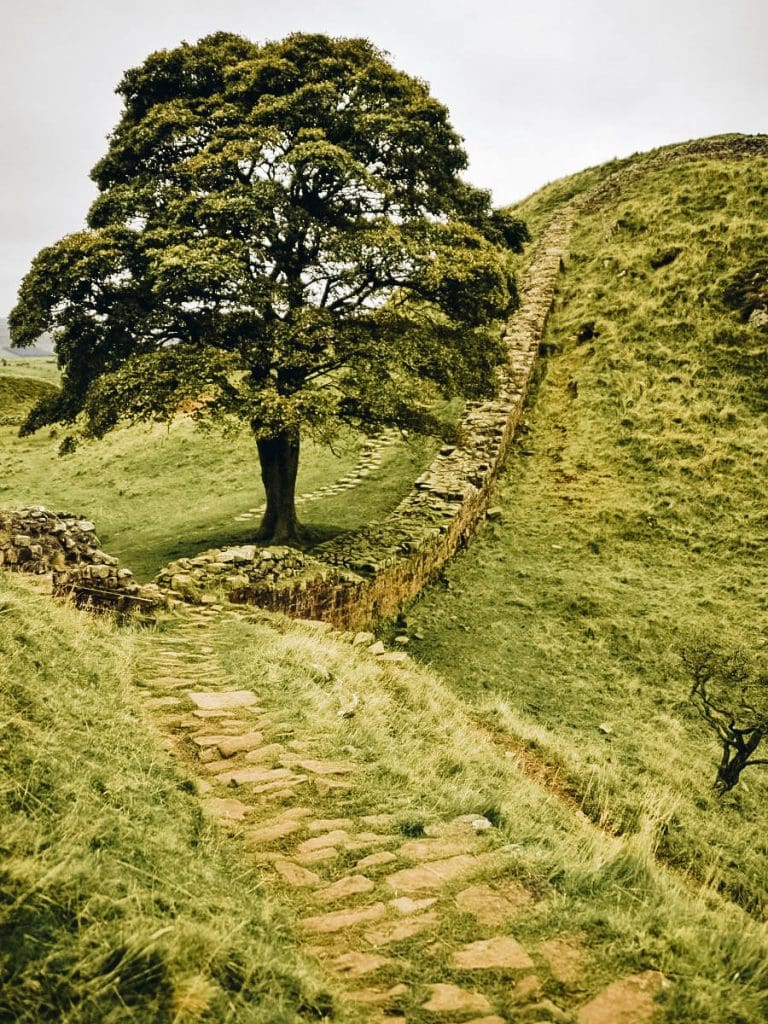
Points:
x=538, y=89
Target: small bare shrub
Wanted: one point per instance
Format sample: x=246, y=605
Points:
x=730, y=692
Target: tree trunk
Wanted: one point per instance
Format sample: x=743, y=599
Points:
x=727, y=777
x=734, y=762
x=279, y=457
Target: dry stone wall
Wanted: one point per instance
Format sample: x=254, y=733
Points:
x=358, y=578
x=39, y=541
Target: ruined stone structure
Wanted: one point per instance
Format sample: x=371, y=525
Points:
x=39, y=541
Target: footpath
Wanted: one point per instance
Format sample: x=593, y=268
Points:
x=414, y=923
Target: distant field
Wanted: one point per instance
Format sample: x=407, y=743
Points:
x=634, y=510
x=39, y=368
x=156, y=493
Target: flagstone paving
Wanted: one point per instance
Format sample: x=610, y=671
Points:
x=382, y=921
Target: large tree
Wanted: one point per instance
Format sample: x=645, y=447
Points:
x=281, y=238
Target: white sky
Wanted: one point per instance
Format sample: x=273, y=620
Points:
x=538, y=89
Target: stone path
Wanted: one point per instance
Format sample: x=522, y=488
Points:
x=414, y=928
x=371, y=455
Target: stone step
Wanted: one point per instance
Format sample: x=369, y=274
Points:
x=351, y=885
x=227, y=809
x=502, y=951
x=374, y=860
x=451, y=999
x=630, y=1000
x=494, y=904
x=440, y=873
x=339, y=920
x=295, y=875
x=318, y=856
x=230, y=744
x=268, y=834
x=356, y=964
x=329, y=824
x=261, y=780
x=327, y=839
x=398, y=931
x=435, y=849
x=379, y=997
x=224, y=700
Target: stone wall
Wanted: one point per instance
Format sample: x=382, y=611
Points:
x=358, y=578
x=39, y=541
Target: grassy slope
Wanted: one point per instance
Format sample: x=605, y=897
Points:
x=420, y=758
x=157, y=494
x=579, y=591
x=637, y=512
x=17, y=394
x=118, y=901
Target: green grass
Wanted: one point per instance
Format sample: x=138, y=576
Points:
x=158, y=493
x=17, y=394
x=119, y=901
x=420, y=758
x=634, y=511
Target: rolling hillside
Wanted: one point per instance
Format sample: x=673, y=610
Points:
x=634, y=514
x=17, y=394
x=505, y=813
x=161, y=492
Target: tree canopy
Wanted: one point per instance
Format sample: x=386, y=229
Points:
x=281, y=238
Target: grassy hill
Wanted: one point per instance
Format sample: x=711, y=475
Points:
x=123, y=903
x=634, y=514
x=17, y=394
x=543, y=693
